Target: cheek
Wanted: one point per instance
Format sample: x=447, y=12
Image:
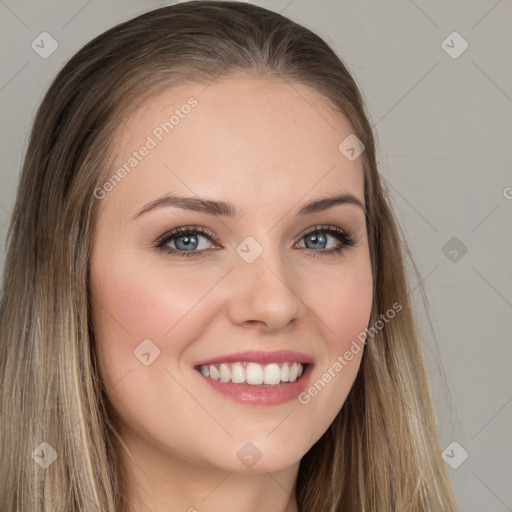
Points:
x=345, y=305
x=129, y=307
x=145, y=302
x=348, y=314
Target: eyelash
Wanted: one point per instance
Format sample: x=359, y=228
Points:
x=346, y=237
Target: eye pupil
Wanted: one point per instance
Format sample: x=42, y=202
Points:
x=316, y=238
x=187, y=241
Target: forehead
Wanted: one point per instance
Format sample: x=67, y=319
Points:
x=243, y=139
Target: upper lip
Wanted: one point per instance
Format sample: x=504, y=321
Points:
x=261, y=357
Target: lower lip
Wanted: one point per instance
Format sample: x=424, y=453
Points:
x=256, y=395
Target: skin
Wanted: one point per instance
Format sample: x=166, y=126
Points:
x=268, y=148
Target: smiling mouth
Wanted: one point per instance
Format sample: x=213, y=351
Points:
x=253, y=374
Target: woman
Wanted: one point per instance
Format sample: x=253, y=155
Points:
x=204, y=302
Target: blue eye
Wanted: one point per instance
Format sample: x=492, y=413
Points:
x=185, y=240
x=317, y=239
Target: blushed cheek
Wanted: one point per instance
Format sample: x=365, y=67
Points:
x=348, y=310
x=145, y=301
x=345, y=307
x=131, y=307
x=125, y=311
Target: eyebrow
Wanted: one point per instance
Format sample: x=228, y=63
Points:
x=212, y=207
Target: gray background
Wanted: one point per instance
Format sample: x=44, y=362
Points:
x=442, y=126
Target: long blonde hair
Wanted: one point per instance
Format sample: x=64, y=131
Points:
x=380, y=454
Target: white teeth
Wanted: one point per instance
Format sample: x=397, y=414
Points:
x=272, y=374
x=253, y=374
x=214, y=373
x=285, y=372
x=237, y=373
x=293, y=372
x=225, y=374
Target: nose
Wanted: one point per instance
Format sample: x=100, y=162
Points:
x=264, y=293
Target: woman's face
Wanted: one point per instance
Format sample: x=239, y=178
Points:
x=250, y=294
